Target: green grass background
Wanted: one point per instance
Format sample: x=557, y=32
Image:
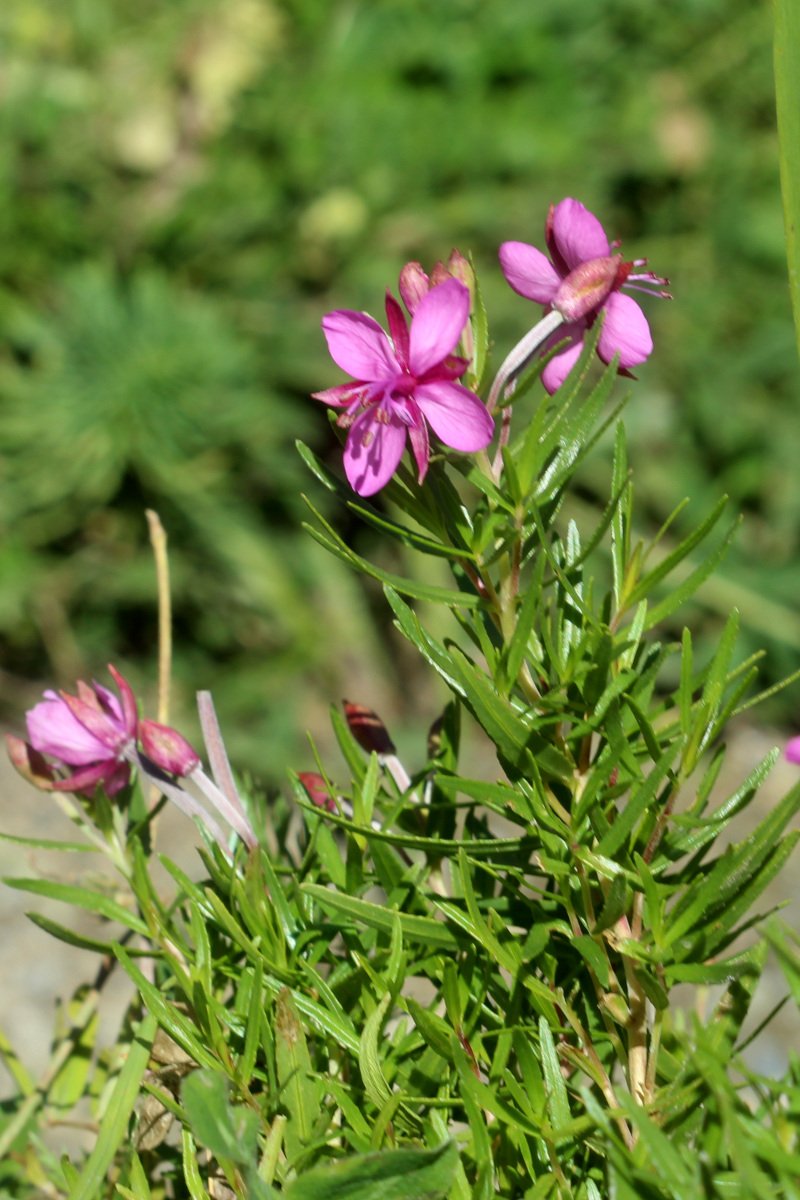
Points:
x=186, y=187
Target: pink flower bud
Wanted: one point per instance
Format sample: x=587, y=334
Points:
x=456, y=267
x=414, y=284
x=167, y=748
x=317, y=790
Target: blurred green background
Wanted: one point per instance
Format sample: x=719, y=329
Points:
x=187, y=186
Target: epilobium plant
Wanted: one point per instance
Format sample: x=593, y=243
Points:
x=405, y=982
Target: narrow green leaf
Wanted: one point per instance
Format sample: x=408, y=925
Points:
x=620, y=523
x=431, y=650
x=518, y=647
x=713, y=899
x=48, y=844
x=369, y=1059
x=691, y=833
x=682, y=1178
x=685, y=704
x=717, y=675
x=434, y=1029
x=255, y=1011
x=722, y=971
x=228, y=1132
x=191, y=1169
x=169, y=1017
x=679, y=594
x=593, y=956
x=85, y=898
x=64, y=934
x=330, y=539
x=137, y=1177
x=114, y=1125
x=388, y=1175
x=301, y=1092
x=670, y=561
x=557, y=1098
x=424, y=930
x=641, y=800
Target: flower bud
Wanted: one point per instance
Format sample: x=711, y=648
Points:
x=167, y=748
x=317, y=790
x=31, y=765
x=457, y=267
x=368, y=729
x=413, y=284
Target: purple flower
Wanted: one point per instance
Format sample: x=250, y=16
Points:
x=581, y=279
x=792, y=751
x=87, y=736
x=403, y=384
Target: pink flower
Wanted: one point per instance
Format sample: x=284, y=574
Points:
x=402, y=385
x=86, y=736
x=581, y=279
x=792, y=751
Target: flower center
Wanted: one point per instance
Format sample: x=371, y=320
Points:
x=403, y=386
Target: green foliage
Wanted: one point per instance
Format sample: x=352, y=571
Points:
x=451, y=986
x=454, y=987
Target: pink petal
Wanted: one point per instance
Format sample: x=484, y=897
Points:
x=793, y=750
x=373, y=450
x=625, y=331
x=452, y=367
x=420, y=442
x=31, y=765
x=102, y=727
x=414, y=284
x=117, y=779
x=398, y=330
x=456, y=415
x=54, y=730
x=86, y=779
x=343, y=395
x=358, y=345
x=577, y=233
x=560, y=366
x=437, y=324
x=529, y=272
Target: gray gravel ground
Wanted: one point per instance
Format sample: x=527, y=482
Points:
x=37, y=970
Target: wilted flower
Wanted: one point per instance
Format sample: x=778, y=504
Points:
x=403, y=384
x=581, y=279
x=86, y=736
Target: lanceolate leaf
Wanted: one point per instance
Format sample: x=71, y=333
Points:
x=388, y=1175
